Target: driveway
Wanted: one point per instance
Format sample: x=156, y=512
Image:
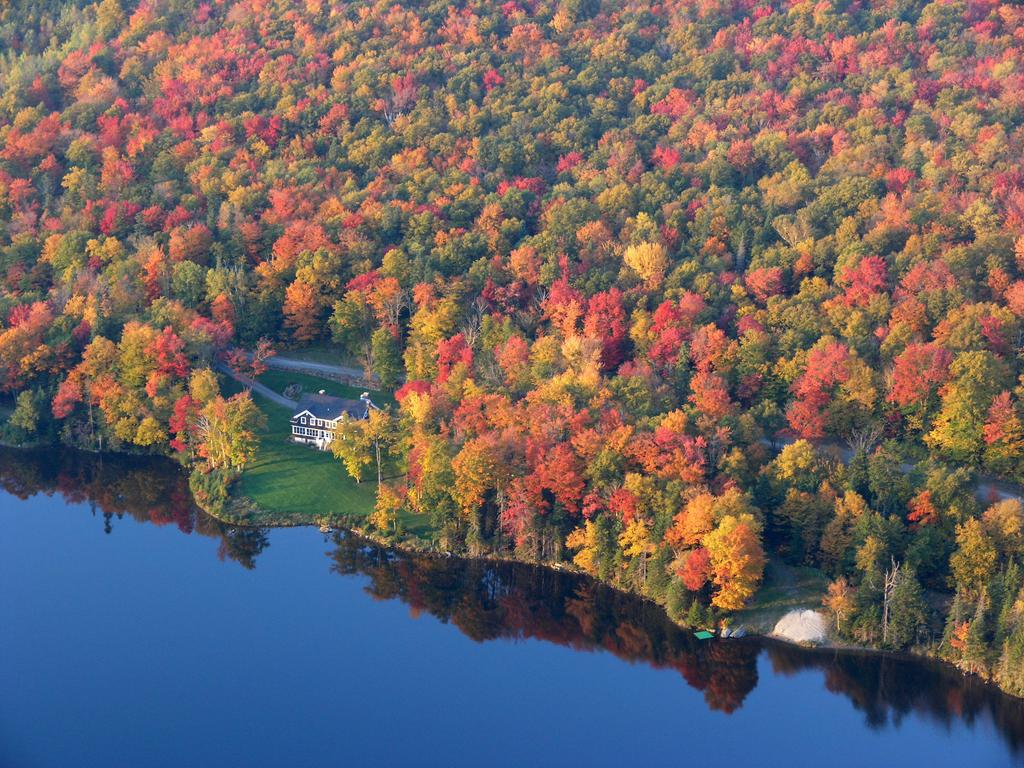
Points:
x=260, y=389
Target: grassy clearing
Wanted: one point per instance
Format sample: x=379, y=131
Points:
x=278, y=380
x=320, y=353
x=295, y=484
x=785, y=588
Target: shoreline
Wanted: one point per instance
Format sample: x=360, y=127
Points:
x=417, y=546
x=986, y=488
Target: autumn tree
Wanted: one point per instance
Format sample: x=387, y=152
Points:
x=228, y=431
x=359, y=443
x=737, y=560
x=840, y=601
x=302, y=311
x=975, y=558
x=649, y=261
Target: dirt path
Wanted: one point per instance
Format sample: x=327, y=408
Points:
x=288, y=364
x=987, y=489
x=327, y=370
x=261, y=389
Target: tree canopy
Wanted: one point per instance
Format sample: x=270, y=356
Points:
x=609, y=250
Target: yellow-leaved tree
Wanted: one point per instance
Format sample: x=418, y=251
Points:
x=649, y=261
x=974, y=562
x=385, y=512
x=584, y=540
x=841, y=600
x=637, y=545
x=737, y=560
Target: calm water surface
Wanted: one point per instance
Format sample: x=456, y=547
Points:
x=134, y=631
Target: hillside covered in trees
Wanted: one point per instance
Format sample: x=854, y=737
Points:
x=610, y=253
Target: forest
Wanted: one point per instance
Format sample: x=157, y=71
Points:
x=665, y=289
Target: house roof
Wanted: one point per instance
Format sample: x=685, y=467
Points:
x=329, y=408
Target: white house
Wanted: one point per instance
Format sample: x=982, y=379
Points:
x=317, y=416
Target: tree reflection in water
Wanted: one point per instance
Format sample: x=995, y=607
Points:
x=149, y=490
x=489, y=600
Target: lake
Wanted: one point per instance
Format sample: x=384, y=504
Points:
x=136, y=631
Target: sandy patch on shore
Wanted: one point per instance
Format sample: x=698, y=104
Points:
x=802, y=627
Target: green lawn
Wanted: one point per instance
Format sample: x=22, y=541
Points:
x=295, y=484
x=278, y=380
x=785, y=588
x=323, y=352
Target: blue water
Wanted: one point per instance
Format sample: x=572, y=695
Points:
x=143, y=647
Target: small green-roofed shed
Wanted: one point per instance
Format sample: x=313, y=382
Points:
x=703, y=635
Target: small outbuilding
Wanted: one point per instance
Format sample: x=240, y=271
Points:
x=317, y=416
